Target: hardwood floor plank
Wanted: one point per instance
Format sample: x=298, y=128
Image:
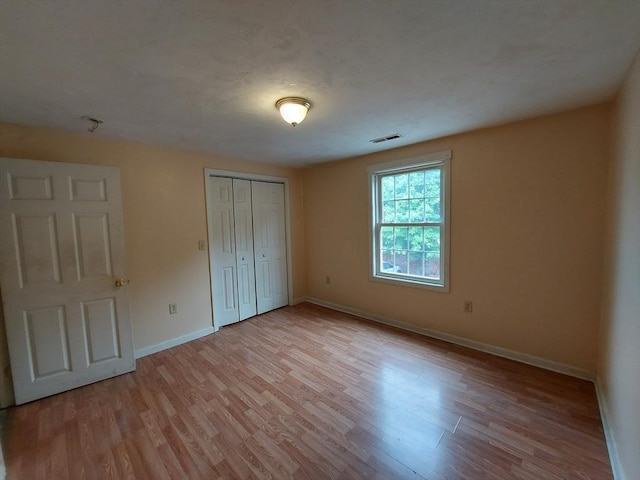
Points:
x=170, y=463
x=151, y=460
x=308, y=393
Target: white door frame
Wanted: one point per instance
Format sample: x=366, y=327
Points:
x=261, y=178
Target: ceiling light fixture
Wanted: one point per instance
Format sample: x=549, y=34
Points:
x=293, y=109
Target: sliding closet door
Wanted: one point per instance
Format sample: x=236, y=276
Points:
x=244, y=248
x=222, y=251
x=269, y=245
x=247, y=248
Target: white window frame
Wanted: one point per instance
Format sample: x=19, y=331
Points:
x=440, y=160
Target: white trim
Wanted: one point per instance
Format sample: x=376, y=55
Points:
x=158, y=347
x=216, y=172
x=419, y=161
x=297, y=301
x=612, y=448
x=287, y=221
x=465, y=342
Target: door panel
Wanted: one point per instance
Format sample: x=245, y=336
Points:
x=61, y=247
x=101, y=330
x=279, y=250
x=264, y=291
x=270, y=247
x=88, y=190
x=92, y=248
x=278, y=287
x=229, y=289
x=222, y=251
x=226, y=226
x=36, y=249
x=261, y=246
x=48, y=346
x=244, y=248
x=29, y=187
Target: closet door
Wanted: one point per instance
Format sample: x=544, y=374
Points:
x=269, y=245
x=244, y=248
x=222, y=252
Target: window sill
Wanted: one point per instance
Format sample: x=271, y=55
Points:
x=404, y=282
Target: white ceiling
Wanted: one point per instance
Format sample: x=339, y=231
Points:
x=205, y=75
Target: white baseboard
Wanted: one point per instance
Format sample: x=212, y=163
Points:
x=158, y=347
x=465, y=342
x=298, y=300
x=616, y=467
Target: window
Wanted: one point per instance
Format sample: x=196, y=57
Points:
x=410, y=221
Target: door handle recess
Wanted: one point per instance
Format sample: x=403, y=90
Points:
x=121, y=282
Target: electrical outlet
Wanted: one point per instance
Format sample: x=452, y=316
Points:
x=468, y=306
x=173, y=308
x=327, y=280
x=202, y=245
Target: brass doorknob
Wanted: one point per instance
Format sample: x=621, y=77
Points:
x=121, y=282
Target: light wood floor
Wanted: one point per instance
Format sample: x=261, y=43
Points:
x=308, y=393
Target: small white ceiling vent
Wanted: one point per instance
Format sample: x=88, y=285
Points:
x=386, y=139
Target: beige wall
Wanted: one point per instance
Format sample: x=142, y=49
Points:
x=526, y=237
x=164, y=216
x=619, y=369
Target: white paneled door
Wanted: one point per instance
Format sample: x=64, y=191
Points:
x=61, y=261
x=270, y=245
x=222, y=251
x=244, y=248
x=247, y=248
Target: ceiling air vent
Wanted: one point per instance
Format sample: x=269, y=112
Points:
x=386, y=139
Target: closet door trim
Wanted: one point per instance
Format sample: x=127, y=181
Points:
x=213, y=172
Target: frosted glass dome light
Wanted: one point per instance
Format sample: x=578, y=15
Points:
x=293, y=109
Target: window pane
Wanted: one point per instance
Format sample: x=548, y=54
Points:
x=432, y=252
x=401, y=240
x=416, y=263
x=402, y=211
x=389, y=212
x=432, y=210
x=416, y=185
x=432, y=182
x=387, y=189
x=432, y=265
x=416, y=210
x=402, y=186
x=415, y=239
x=387, y=238
x=432, y=238
x=400, y=261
